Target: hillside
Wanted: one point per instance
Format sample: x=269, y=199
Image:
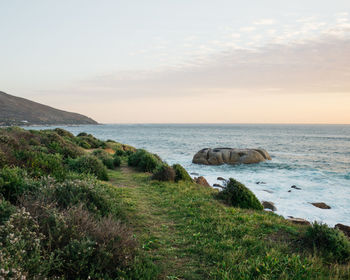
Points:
x=76, y=207
x=19, y=111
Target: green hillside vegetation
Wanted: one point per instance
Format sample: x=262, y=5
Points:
x=75, y=207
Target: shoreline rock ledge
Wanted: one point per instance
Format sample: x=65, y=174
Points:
x=220, y=156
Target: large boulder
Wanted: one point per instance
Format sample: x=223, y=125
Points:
x=219, y=156
x=201, y=181
x=269, y=205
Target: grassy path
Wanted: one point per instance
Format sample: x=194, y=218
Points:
x=190, y=235
x=160, y=235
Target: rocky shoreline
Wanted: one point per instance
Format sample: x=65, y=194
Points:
x=270, y=206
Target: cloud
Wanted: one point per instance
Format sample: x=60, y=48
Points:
x=266, y=21
x=247, y=29
x=314, y=66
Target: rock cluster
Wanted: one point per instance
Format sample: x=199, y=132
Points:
x=219, y=156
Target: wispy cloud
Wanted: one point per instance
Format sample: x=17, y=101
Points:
x=266, y=21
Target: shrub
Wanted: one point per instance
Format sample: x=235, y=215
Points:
x=164, y=173
x=148, y=163
x=135, y=158
x=82, y=245
x=20, y=249
x=64, y=133
x=105, y=157
x=181, y=173
x=6, y=210
x=120, y=152
x=115, y=245
x=2, y=159
x=238, y=195
x=58, y=144
x=144, y=160
x=331, y=242
x=40, y=164
x=93, y=142
x=89, y=165
x=116, y=160
x=14, y=183
x=90, y=193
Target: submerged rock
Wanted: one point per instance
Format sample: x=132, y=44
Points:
x=295, y=187
x=260, y=183
x=269, y=205
x=218, y=186
x=201, y=181
x=345, y=229
x=268, y=191
x=219, y=156
x=321, y=205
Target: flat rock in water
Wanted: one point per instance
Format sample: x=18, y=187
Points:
x=299, y=221
x=260, y=183
x=218, y=186
x=221, y=179
x=269, y=205
x=201, y=181
x=345, y=229
x=321, y=205
x=219, y=156
x=295, y=187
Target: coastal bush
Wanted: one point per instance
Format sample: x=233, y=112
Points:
x=164, y=173
x=64, y=133
x=2, y=159
x=82, y=134
x=238, y=195
x=120, y=152
x=20, y=250
x=41, y=164
x=38, y=240
x=6, y=210
x=149, y=163
x=89, y=193
x=58, y=144
x=181, y=173
x=89, y=165
x=105, y=157
x=113, y=244
x=92, y=141
x=144, y=160
x=14, y=183
x=331, y=242
x=116, y=160
x=135, y=158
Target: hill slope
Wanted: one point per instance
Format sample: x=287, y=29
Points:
x=16, y=111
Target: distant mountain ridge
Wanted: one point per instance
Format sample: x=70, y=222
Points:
x=20, y=111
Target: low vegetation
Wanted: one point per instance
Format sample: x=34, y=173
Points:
x=60, y=220
x=238, y=195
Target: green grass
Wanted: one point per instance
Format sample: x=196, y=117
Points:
x=191, y=235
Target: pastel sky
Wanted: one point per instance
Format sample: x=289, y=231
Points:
x=183, y=61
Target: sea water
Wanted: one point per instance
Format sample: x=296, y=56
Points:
x=315, y=158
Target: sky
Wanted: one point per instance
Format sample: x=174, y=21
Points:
x=183, y=61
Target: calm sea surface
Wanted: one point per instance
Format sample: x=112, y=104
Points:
x=315, y=158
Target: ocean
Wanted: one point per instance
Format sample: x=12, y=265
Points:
x=315, y=158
